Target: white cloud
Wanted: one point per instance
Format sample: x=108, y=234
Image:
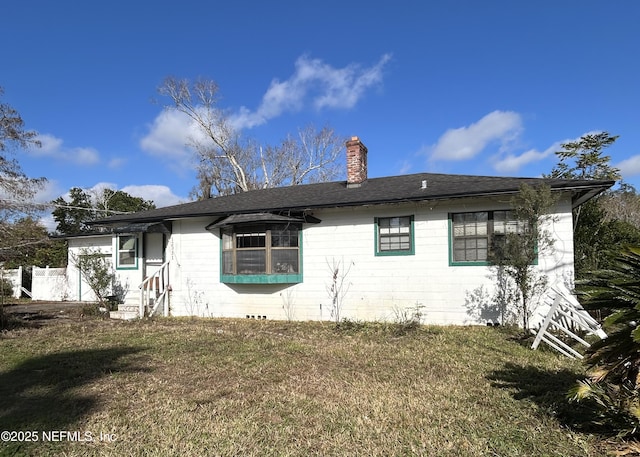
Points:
x=49, y=191
x=512, y=162
x=169, y=138
x=160, y=195
x=54, y=147
x=405, y=167
x=345, y=87
x=313, y=82
x=85, y=156
x=466, y=142
x=48, y=222
x=326, y=86
x=168, y=135
x=100, y=187
x=116, y=162
x=50, y=144
x=630, y=166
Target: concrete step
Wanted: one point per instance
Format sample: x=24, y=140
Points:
x=128, y=307
x=123, y=315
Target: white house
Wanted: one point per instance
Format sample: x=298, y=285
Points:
x=368, y=248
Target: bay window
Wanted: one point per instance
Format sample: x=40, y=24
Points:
x=261, y=253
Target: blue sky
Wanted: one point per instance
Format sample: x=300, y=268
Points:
x=464, y=87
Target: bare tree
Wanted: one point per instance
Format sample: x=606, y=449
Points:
x=338, y=286
x=228, y=163
x=312, y=156
x=622, y=204
x=16, y=189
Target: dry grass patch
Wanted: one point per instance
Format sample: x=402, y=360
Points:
x=253, y=388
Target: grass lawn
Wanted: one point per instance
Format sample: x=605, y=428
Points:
x=265, y=388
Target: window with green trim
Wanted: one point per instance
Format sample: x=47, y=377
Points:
x=127, y=251
x=264, y=249
x=475, y=234
x=394, y=235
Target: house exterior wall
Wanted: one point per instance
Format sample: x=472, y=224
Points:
x=130, y=278
x=376, y=287
x=78, y=289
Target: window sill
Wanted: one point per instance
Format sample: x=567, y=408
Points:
x=477, y=263
x=262, y=279
x=394, y=253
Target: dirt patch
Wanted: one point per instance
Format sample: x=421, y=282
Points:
x=45, y=312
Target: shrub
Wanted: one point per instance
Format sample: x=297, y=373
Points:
x=614, y=363
x=6, y=288
x=97, y=271
x=408, y=319
x=616, y=406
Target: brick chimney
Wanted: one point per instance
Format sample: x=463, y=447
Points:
x=356, y=162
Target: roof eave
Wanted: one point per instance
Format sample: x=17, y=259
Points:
x=585, y=193
x=79, y=235
x=582, y=193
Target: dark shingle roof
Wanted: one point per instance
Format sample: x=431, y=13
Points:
x=392, y=189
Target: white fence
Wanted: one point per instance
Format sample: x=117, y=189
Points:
x=49, y=284
x=14, y=276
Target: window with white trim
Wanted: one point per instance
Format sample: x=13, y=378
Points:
x=127, y=251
